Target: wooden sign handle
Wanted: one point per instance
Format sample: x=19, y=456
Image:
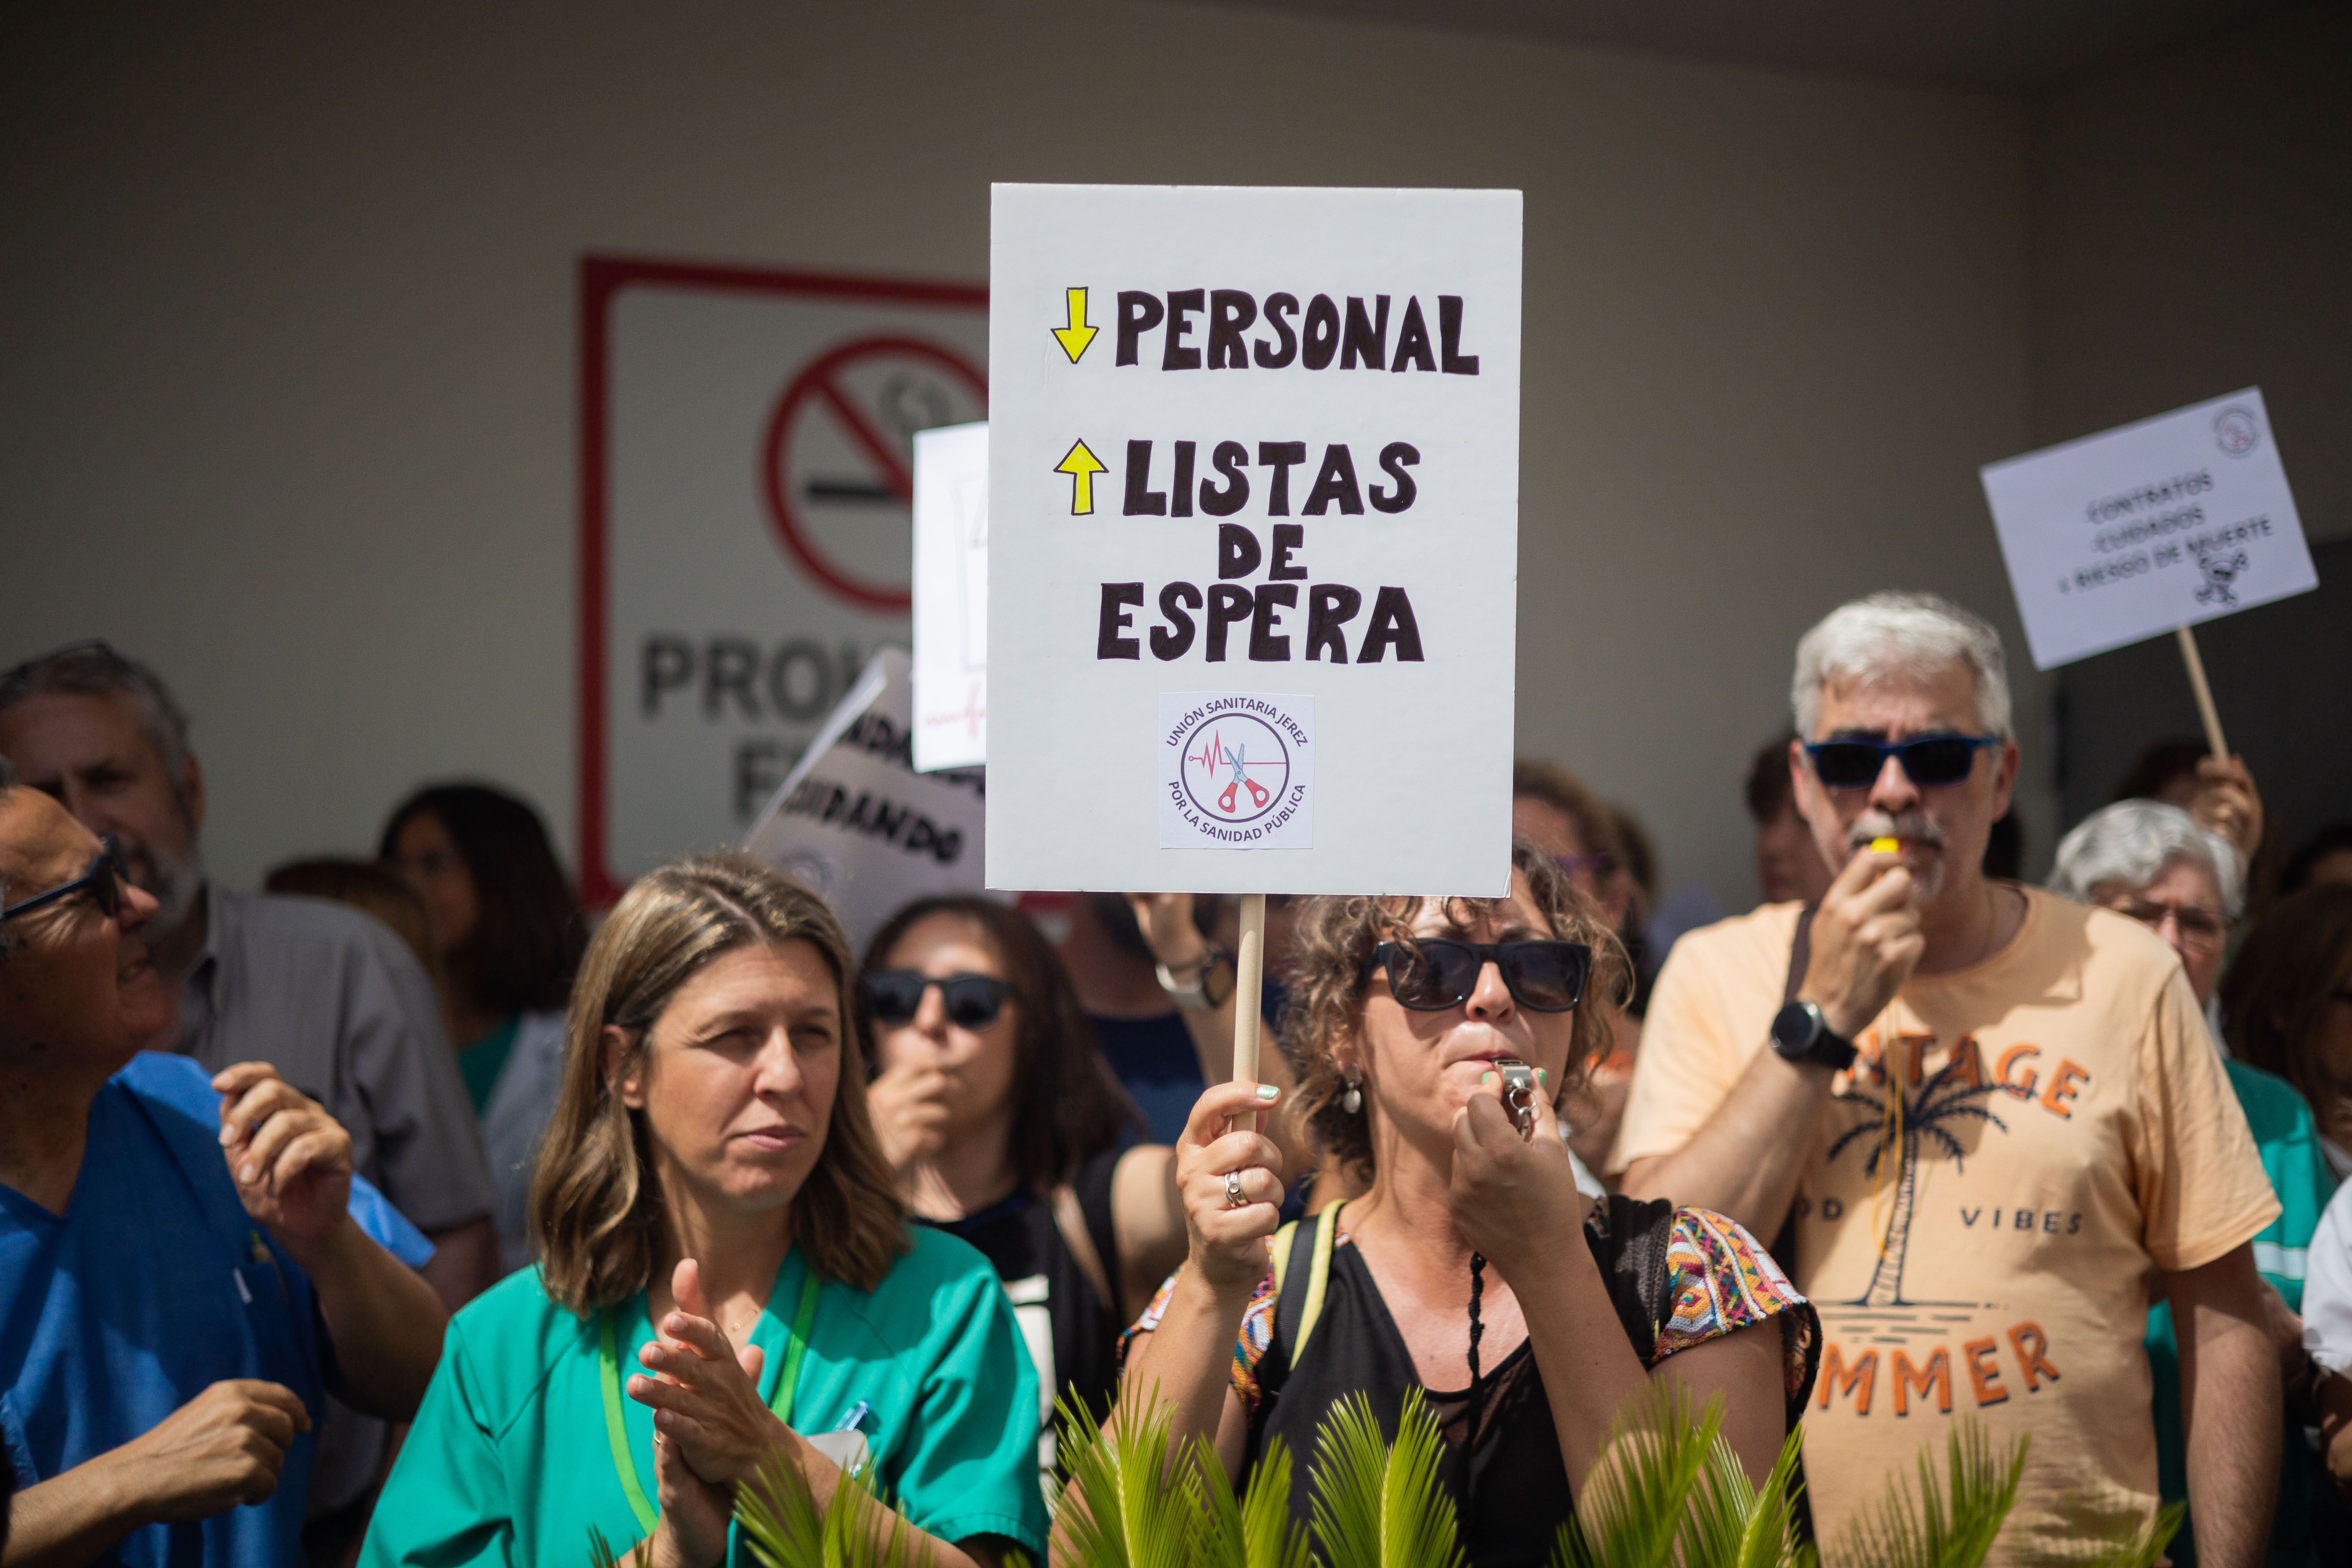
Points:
x=1249, y=971
x=2205, y=709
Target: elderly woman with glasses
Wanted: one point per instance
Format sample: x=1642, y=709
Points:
x=2182, y=880
x=1432, y=1039
x=2158, y=865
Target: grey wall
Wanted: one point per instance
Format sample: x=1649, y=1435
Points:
x=2191, y=229
x=286, y=302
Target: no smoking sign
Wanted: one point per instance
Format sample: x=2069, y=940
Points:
x=746, y=493
x=839, y=459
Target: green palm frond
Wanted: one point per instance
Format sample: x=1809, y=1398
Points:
x=1937, y=1528
x=602, y=1555
x=1126, y=1508
x=1638, y=1497
x=1733, y=1523
x=1418, y=1528
x=784, y=1528
x=1377, y=1507
x=1270, y=1537
x=1351, y=1466
x=1217, y=1539
x=1251, y=1531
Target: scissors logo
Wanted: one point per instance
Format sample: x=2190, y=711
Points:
x=1244, y=756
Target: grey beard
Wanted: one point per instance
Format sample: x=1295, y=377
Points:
x=176, y=884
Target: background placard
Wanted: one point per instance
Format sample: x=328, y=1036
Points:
x=952, y=597
x=2165, y=522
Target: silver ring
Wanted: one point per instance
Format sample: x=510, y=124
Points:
x=1233, y=1199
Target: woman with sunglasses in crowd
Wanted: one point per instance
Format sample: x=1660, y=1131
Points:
x=726, y=1277
x=1007, y=1129
x=1432, y=1039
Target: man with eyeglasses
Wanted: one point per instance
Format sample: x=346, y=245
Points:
x=1985, y=1116
x=2160, y=865
x=177, y=1253
x=326, y=994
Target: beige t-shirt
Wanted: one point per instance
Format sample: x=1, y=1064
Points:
x=2065, y=1129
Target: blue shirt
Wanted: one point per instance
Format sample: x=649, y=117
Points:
x=1154, y=1059
x=153, y=1284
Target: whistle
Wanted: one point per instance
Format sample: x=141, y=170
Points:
x=1520, y=1094
x=1886, y=846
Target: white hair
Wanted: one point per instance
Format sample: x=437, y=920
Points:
x=1900, y=636
x=2131, y=843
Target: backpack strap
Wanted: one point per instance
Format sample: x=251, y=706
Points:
x=1300, y=1244
x=1070, y=1219
x=1281, y=1244
x=1801, y=953
x=1800, y=958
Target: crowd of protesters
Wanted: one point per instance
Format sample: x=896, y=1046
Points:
x=530, y=1232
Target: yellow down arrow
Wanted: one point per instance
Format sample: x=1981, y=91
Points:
x=1075, y=337
x=1082, y=466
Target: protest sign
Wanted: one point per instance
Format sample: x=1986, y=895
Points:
x=744, y=451
x=1252, y=550
x=855, y=823
x=2160, y=524
x=952, y=597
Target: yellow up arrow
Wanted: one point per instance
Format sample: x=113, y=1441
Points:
x=1082, y=466
x=1075, y=337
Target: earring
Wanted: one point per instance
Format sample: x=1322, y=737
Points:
x=1352, y=1102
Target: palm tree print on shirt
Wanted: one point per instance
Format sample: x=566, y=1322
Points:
x=1955, y=1093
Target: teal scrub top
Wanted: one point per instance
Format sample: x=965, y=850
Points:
x=2297, y=1167
x=510, y=1460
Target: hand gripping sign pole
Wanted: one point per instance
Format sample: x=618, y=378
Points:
x=2150, y=528
x=1252, y=473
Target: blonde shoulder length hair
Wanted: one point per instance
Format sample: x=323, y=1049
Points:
x=595, y=1205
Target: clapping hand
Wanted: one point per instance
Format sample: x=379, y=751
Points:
x=705, y=1393
x=291, y=1162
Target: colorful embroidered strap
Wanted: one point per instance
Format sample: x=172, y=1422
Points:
x=609, y=1354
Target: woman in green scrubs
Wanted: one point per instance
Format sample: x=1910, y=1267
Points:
x=725, y=1271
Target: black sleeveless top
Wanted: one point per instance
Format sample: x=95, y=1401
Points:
x=1509, y=1484
x=1071, y=1332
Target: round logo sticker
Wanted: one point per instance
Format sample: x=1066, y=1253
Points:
x=1236, y=767
x=1236, y=770
x=2236, y=430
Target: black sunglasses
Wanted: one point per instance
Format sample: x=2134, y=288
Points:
x=1927, y=759
x=104, y=880
x=1430, y=975
x=972, y=1001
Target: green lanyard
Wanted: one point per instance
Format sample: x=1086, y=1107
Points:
x=803, y=1320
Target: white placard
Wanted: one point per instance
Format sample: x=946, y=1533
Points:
x=2129, y=533
x=952, y=597
x=1259, y=443
x=855, y=822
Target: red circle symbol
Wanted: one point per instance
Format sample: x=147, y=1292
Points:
x=821, y=385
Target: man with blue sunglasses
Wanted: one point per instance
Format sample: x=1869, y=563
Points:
x=1979, y=1118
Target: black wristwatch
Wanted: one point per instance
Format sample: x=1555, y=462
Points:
x=1802, y=1035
